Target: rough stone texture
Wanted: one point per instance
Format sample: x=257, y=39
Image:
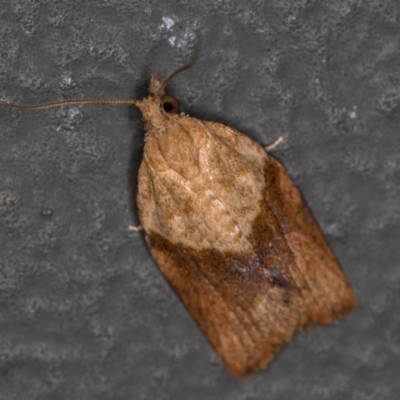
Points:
x=84, y=312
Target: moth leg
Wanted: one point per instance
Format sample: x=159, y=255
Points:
x=135, y=228
x=274, y=144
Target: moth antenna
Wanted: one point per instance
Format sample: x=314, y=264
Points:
x=178, y=71
x=68, y=102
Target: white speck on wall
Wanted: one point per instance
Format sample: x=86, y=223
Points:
x=167, y=23
x=180, y=37
x=67, y=81
x=353, y=113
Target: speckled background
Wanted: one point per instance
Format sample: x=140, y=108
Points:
x=84, y=311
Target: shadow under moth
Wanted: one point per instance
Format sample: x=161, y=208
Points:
x=231, y=233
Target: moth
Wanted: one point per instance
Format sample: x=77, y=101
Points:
x=231, y=233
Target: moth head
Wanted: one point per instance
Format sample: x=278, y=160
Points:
x=168, y=105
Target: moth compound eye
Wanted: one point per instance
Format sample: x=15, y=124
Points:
x=169, y=105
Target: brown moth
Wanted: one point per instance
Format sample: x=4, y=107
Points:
x=231, y=233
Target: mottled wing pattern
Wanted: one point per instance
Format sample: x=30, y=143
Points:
x=276, y=275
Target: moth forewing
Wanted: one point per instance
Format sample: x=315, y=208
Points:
x=233, y=236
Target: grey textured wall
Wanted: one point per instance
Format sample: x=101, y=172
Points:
x=84, y=311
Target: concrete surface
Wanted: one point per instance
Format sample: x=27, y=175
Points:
x=84, y=311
